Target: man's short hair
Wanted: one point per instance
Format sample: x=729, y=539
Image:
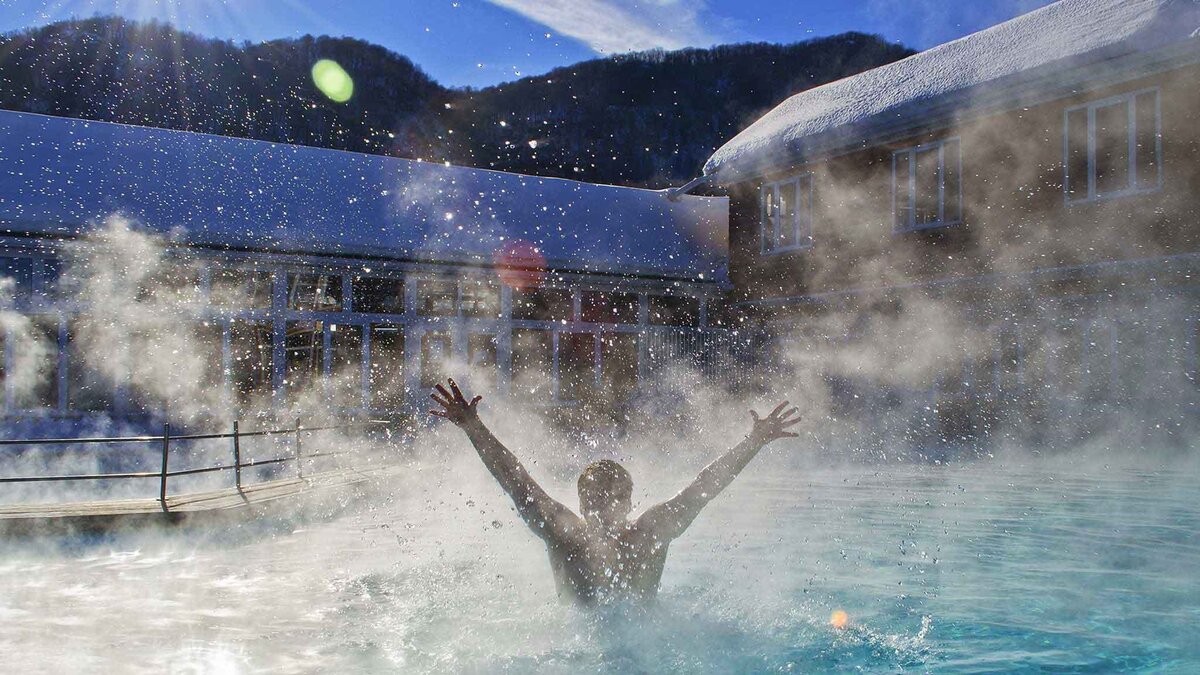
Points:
x=604, y=478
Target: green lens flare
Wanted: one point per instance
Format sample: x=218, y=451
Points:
x=332, y=80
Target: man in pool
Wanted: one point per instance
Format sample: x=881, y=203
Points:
x=604, y=556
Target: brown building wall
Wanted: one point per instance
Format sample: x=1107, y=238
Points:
x=1015, y=217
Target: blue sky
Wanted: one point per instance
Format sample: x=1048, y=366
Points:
x=482, y=42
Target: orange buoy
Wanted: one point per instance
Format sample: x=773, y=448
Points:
x=839, y=619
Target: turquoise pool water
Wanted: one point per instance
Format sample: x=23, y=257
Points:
x=1033, y=566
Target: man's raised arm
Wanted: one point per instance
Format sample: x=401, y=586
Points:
x=669, y=519
x=542, y=514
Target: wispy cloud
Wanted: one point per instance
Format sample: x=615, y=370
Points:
x=613, y=26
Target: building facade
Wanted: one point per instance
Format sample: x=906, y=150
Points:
x=357, y=280
x=1016, y=209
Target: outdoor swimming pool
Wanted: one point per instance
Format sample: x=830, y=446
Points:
x=1040, y=565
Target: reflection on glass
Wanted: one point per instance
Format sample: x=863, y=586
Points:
x=435, y=352
x=437, y=297
x=387, y=367
x=1147, y=140
x=1112, y=148
x=240, y=289
x=533, y=364
x=619, y=365
x=16, y=280
x=377, y=295
x=304, y=356
x=672, y=310
x=345, y=363
x=315, y=292
x=928, y=187
x=609, y=307
x=480, y=300
x=250, y=361
x=576, y=366
x=40, y=345
x=481, y=358
x=542, y=304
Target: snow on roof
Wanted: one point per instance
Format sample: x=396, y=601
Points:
x=62, y=176
x=1070, y=32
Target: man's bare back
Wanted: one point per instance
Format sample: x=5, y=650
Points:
x=602, y=556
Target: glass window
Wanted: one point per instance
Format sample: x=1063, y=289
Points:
x=480, y=300
x=542, y=304
x=56, y=284
x=435, y=353
x=37, y=345
x=1077, y=154
x=927, y=206
x=250, y=361
x=387, y=367
x=240, y=289
x=147, y=347
x=927, y=186
x=1113, y=147
x=1147, y=140
x=671, y=310
x=314, y=292
x=619, y=365
x=209, y=336
x=787, y=214
x=533, y=364
x=785, y=232
x=609, y=307
x=576, y=366
x=304, y=356
x=16, y=280
x=481, y=359
x=176, y=280
x=377, y=295
x=437, y=297
x=345, y=362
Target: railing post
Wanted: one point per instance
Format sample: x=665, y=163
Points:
x=237, y=457
x=299, y=452
x=166, y=448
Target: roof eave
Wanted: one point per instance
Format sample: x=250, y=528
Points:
x=1034, y=87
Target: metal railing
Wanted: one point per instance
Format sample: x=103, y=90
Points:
x=167, y=438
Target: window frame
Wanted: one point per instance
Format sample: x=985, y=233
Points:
x=911, y=153
x=1130, y=101
x=803, y=235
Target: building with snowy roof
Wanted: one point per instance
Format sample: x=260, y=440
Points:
x=1042, y=175
x=303, y=262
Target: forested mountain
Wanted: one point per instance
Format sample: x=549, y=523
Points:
x=648, y=118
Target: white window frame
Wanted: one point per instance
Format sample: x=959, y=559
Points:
x=910, y=154
x=770, y=227
x=1132, y=188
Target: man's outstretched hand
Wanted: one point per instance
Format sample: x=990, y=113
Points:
x=455, y=406
x=775, y=425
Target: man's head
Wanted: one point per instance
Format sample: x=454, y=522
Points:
x=605, y=492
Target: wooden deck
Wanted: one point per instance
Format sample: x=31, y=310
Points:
x=214, y=508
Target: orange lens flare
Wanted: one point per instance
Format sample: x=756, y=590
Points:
x=520, y=264
x=839, y=619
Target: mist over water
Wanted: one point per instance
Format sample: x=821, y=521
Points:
x=988, y=566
